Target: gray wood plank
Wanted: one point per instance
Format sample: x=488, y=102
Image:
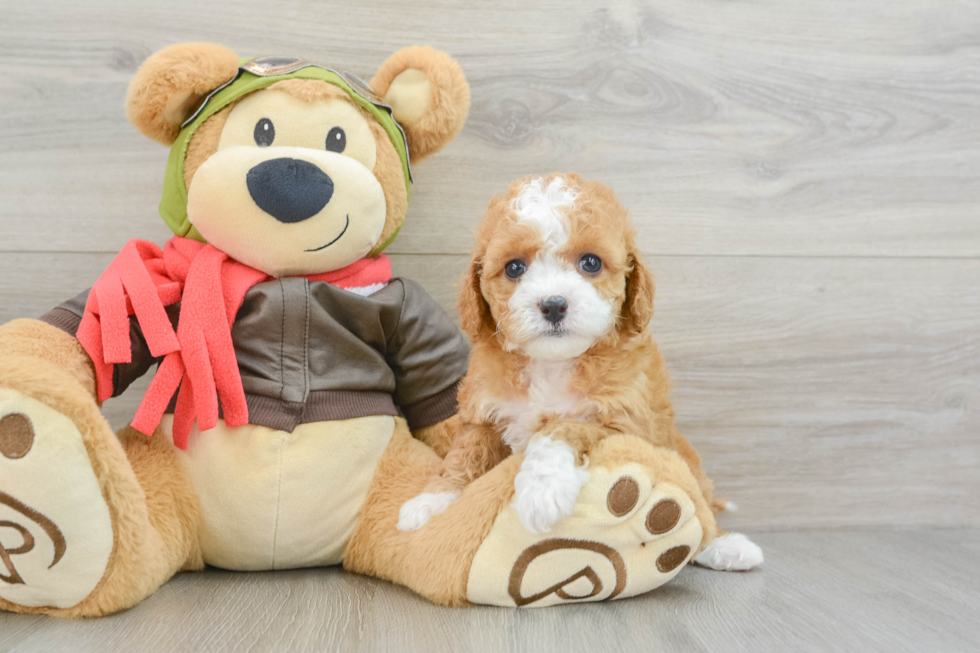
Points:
x=820, y=392
x=817, y=591
x=777, y=128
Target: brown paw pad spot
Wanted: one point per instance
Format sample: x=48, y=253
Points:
x=663, y=516
x=670, y=559
x=623, y=496
x=16, y=435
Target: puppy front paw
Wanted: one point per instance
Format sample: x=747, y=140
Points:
x=548, y=484
x=415, y=513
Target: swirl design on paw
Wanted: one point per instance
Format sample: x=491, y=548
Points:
x=545, y=547
x=48, y=526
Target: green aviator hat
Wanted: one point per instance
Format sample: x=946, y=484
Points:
x=254, y=74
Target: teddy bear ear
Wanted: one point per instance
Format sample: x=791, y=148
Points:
x=171, y=83
x=429, y=95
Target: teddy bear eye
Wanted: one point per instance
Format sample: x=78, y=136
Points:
x=336, y=140
x=265, y=133
x=515, y=268
x=590, y=263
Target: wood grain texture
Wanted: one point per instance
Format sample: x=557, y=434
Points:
x=818, y=591
x=803, y=175
x=820, y=392
x=777, y=128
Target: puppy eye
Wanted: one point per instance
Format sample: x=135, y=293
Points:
x=515, y=268
x=590, y=263
x=336, y=140
x=265, y=133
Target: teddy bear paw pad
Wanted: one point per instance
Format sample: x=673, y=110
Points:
x=55, y=528
x=629, y=533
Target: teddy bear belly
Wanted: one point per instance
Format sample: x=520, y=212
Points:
x=277, y=500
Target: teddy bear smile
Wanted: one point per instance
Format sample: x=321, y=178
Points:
x=342, y=232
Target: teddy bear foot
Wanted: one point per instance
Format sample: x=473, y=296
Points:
x=638, y=519
x=56, y=534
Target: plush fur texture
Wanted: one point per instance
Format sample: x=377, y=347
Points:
x=617, y=450
x=169, y=84
x=38, y=340
x=434, y=562
x=522, y=374
x=147, y=550
x=153, y=509
x=439, y=561
x=448, y=105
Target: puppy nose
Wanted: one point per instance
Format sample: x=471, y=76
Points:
x=290, y=190
x=553, y=308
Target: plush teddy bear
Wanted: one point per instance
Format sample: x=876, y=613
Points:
x=302, y=393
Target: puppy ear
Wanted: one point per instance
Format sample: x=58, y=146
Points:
x=170, y=84
x=474, y=313
x=429, y=96
x=640, y=288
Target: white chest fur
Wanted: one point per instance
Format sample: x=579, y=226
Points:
x=547, y=393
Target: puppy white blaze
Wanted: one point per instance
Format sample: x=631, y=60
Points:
x=540, y=206
x=588, y=316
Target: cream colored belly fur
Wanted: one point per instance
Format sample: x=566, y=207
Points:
x=277, y=500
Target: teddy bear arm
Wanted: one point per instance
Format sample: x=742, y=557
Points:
x=39, y=340
x=429, y=358
x=67, y=317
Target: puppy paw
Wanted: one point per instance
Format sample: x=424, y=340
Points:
x=548, y=484
x=731, y=552
x=415, y=513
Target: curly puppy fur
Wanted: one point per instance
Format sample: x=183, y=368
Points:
x=618, y=381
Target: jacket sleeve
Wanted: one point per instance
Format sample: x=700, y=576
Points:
x=429, y=357
x=68, y=316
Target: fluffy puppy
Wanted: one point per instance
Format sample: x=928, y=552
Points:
x=557, y=301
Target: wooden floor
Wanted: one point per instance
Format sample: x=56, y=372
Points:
x=841, y=591
x=805, y=180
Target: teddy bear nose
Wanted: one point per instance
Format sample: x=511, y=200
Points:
x=290, y=190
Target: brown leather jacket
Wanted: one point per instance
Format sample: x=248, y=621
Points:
x=313, y=352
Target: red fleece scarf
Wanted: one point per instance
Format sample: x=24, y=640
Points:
x=199, y=358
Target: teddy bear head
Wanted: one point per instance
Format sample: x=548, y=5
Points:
x=287, y=166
